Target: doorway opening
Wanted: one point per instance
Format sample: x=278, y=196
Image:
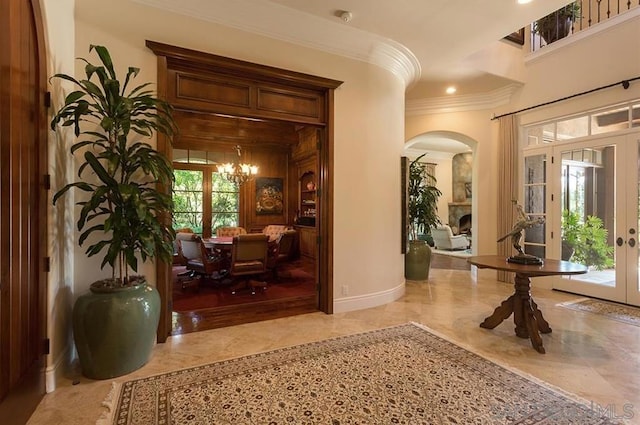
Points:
x=284, y=121
x=451, y=157
x=279, y=201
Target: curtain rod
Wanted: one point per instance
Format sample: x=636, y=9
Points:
x=625, y=84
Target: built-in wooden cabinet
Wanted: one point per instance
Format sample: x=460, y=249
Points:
x=307, y=199
x=304, y=155
x=307, y=240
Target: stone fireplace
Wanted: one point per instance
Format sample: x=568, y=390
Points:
x=461, y=168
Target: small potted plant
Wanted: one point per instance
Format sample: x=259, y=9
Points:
x=123, y=216
x=423, y=215
x=557, y=25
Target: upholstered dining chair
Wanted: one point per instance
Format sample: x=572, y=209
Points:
x=274, y=231
x=249, y=255
x=443, y=238
x=199, y=261
x=280, y=250
x=231, y=231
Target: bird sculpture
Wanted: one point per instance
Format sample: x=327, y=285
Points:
x=522, y=222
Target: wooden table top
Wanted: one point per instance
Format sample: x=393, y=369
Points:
x=220, y=240
x=547, y=268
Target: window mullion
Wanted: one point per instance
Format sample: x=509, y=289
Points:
x=206, y=203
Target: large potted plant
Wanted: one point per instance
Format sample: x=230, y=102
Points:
x=123, y=216
x=557, y=25
x=423, y=215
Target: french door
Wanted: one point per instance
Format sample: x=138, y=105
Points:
x=595, y=211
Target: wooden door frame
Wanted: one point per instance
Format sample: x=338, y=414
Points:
x=26, y=390
x=229, y=68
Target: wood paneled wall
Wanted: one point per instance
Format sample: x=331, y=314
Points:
x=265, y=144
x=274, y=164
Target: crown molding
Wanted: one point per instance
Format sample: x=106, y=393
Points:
x=292, y=26
x=468, y=102
x=433, y=155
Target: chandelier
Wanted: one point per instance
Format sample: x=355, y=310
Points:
x=236, y=172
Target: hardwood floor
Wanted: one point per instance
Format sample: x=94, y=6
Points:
x=209, y=304
x=200, y=304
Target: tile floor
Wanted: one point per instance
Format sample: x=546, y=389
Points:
x=587, y=355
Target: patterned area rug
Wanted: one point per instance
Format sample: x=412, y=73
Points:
x=404, y=375
x=620, y=312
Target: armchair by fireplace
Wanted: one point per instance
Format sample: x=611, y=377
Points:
x=444, y=239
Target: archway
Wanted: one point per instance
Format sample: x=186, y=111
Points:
x=455, y=159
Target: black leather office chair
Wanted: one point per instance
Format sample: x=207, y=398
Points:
x=199, y=261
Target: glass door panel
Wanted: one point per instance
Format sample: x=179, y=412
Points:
x=535, y=202
x=593, y=192
x=631, y=235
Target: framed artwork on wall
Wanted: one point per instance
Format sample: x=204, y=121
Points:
x=269, y=196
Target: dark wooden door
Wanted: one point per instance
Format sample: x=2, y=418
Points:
x=23, y=205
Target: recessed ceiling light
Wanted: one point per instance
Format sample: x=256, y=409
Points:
x=451, y=90
x=524, y=1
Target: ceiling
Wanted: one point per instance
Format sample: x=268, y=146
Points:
x=427, y=40
x=440, y=34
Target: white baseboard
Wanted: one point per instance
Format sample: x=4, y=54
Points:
x=56, y=371
x=359, y=302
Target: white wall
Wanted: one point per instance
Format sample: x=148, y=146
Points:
x=580, y=63
x=574, y=65
x=369, y=134
x=59, y=34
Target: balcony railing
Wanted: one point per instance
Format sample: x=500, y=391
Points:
x=575, y=17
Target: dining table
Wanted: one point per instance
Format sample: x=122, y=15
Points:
x=219, y=242
x=221, y=247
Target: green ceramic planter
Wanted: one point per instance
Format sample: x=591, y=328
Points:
x=115, y=329
x=428, y=238
x=417, y=261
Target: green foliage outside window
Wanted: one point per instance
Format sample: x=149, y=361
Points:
x=187, y=200
x=588, y=240
x=225, y=202
x=189, y=197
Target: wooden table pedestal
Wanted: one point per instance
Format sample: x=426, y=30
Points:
x=526, y=315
